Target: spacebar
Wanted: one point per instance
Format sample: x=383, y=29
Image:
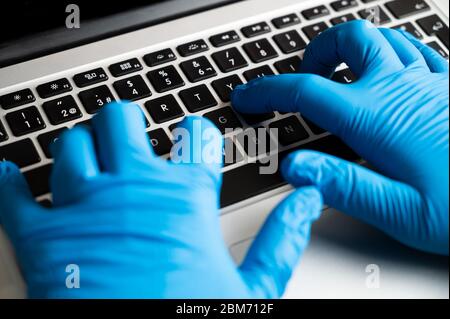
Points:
x=246, y=181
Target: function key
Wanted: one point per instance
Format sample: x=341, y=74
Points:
x=3, y=134
x=22, y=153
x=25, y=121
x=62, y=110
x=160, y=57
x=343, y=4
x=290, y=65
x=164, y=109
x=94, y=99
x=46, y=139
x=197, y=98
x=16, y=99
x=229, y=60
x=405, y=8
x=256, y=29
x=286, y=21
x=343, y=19
x=376, y=15
x=290, y=41
x=260, y=50
x=132, y=89
x=165, y=79
x=225, y=86
x=125, y=67
x=433, y=25
x=314, y=30
x=222, y=39
x=161, y=143
x=225, y=119
x=258, y=73
x=438, y=48
x=90, y=77
x=198, y=69
x=54, y=88
x=408, y=26
x=316, y=12
x=192, y=48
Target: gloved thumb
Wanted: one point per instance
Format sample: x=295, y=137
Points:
x=393, y=207
x=18, y=208
x=277, y=248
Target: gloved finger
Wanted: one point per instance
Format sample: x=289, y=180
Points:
x=391, y=206
x=357, y=43
x=277, y=248
x=122, y=142
x=317, y=98
x=435, y=61
x=198, y=142
x=18, y=208
x=75, y=161
x=407, y=52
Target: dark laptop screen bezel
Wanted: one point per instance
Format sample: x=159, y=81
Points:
x=56, y=40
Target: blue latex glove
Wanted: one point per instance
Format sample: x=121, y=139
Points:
x=140, y=226
x=395, y=116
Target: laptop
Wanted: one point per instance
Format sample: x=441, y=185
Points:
x=61, y=63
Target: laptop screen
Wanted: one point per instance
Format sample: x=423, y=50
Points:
x=33, y=28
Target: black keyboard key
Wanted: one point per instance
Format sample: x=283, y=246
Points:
x=314, y=30
x=290, y=41
x=344, y=76
x=439, y=49
x=316, y=12
x=3, y=134
x=94, y=99
x=376, y=15
x=54, y=88
x=343, y=19
x=258, y=73
x=286, y=21
x=197, y=98
x=256, y=29
x=90, y=77
x=231, y=154
x=125, y=67
x=46, y=139
x=289, y=65
x=198, y=69
x=192, y=48
x=22, y=153
x=433, y=25
x=225, y=119
x=253, y=119
x=62, y=110
x=225, y=86
x=290, y=130
x=38, y=180
x=222, y=39
x=16, y=99
x=343, y=4
x=163, y=109
x=317, y=130
x=405, y=8
x=132, y=89
x=165, y=79
x=229, y=60
x=160, y=141
x=256, y=142
x=408, y=26
x=159, y=57
x=260, y=50
x=25, y=121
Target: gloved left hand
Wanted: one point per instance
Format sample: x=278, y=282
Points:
x=139, y=226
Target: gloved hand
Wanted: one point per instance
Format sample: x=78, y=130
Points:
x=140, y=226
x=395, y=116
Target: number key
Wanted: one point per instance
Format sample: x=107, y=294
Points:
x=25, y=121
x=198, y=69
x=62, y=110
x=165, y=79
x=260, y=50
x=229, y=60
x=132, y=89
x=290, y=41
x=94, y=99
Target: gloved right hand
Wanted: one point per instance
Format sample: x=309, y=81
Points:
x=396, y=116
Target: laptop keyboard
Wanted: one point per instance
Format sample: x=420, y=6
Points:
x=197, y=77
